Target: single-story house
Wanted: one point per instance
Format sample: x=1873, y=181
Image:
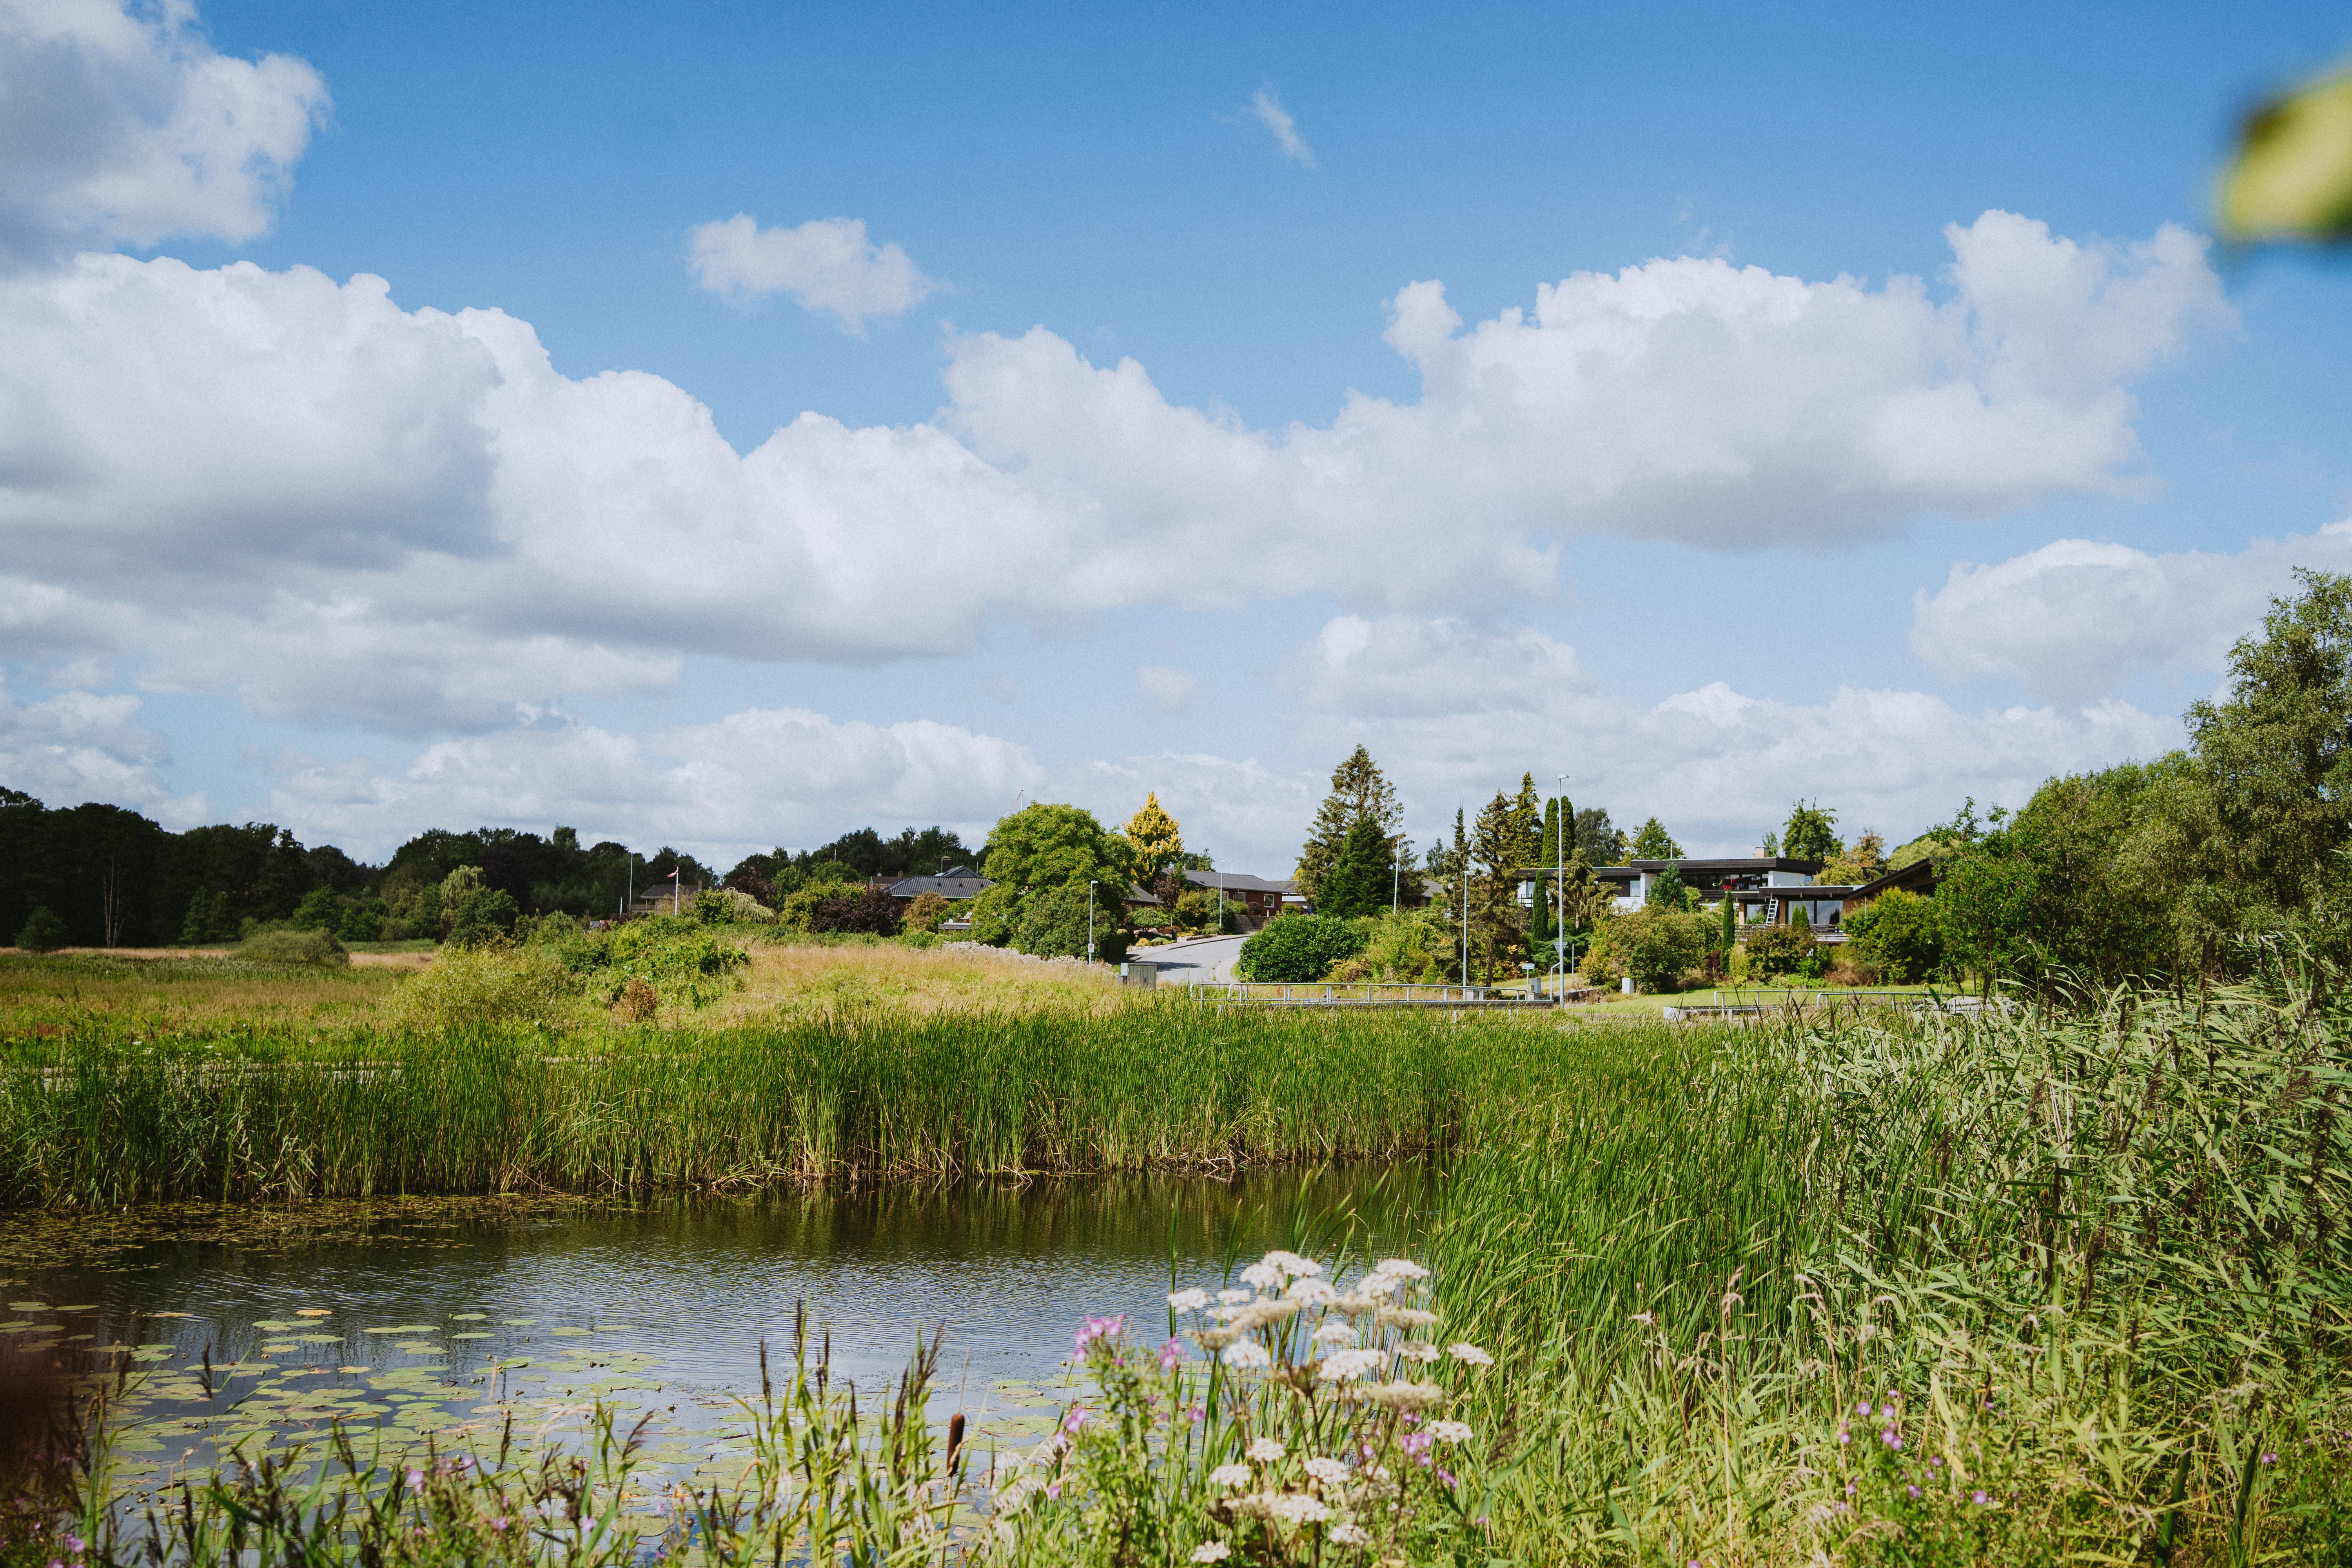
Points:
x=955, y=884
x=1255, y=899
x=1766, y=889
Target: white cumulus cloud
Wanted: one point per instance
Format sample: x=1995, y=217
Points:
x=826, y=265
x=2074, y=619
x=124, y=125
x=1717, y=766
x=279, y=484
x=76, y=746
x=750, y=780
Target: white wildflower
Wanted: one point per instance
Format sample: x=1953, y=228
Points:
x=1291, y=1264
x=1189, y=1301
x=1212, y=1552
x=1418, y=1350
x=1234, y=1298
x=1404, y=1396
x=1335, y=1334
x=1450, y=1431
x=1377, y=1286
x=1247, y=1355
x=1230, y=1474
x=1348, y=1535
x=1264, y=1450
x=1407, y=1317
x=1265, y=1276
x=1297, y=1508
x=1400, y=1269
x=1346, y=1366
x=1310, y=1292
x=1470, y=1353
x=1330, y=1472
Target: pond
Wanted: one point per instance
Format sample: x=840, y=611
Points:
x=445, y=1317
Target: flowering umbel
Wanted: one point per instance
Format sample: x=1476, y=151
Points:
x=1310, y=1432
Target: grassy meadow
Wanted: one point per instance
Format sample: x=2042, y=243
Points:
x=2037, y=1287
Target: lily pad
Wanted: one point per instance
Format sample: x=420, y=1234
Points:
x=469, y=1317
x=407, y=1328
x=28, y=1306
x=472, y=1336
x=568, y=1333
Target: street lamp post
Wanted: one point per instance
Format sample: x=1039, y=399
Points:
x=1090, y=921
x=1559, y=886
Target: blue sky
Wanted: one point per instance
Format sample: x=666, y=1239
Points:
x=296, y=552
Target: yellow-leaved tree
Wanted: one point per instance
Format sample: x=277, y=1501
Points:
x=1155, y=843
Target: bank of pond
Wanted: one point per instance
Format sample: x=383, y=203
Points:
x=2041, y=1284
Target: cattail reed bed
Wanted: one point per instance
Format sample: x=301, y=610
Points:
x=2059, y=1286
x=102, y=1120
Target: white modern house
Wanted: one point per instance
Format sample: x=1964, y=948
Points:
x=1768, y=890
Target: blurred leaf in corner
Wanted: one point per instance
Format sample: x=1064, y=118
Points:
x=2292, y=176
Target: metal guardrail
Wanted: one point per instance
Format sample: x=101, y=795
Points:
x=1369, y=993
x=1794, y=999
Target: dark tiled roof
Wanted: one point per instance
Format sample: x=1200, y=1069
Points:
x=1236, y=882
x=953, y=889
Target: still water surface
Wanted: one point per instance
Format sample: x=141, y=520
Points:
x=410, y=1315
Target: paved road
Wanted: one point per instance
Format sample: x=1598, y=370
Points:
x=1203, y=958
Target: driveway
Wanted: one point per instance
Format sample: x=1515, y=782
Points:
x=1201, y=958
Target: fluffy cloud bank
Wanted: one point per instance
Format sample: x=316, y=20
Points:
x=77, y=747
x=2072, y=620
x=274, y=482
x=1719, y=768
x=826, y=265
x=753, y=779
x=128, y=127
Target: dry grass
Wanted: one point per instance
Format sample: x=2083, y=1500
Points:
x=798, y=981
x=167, y=990
x=170, y=989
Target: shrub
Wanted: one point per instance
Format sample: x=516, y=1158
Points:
x=1655, y=944
x=469, y=986
x=867, y=910
x=1902, y=933
x=726, y=906
x=487, y=914
x=44, y=930
x=1054, y=924
x=1300, y=947
x=1775, y=951
x=675, y=957
x=294, y=947
x=924, y=912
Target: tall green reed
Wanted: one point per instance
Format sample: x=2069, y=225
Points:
x=2091, y=1263
x=501, y=1107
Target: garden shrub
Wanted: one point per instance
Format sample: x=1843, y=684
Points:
x=865, y=910
x=294, y=947
x=1901, y=933
x=1295, y=948
x=44, y=930
x=1655, y=944
x=1405, y=948
x=1780, y=950
x=924, y=913
x=1052, y=924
